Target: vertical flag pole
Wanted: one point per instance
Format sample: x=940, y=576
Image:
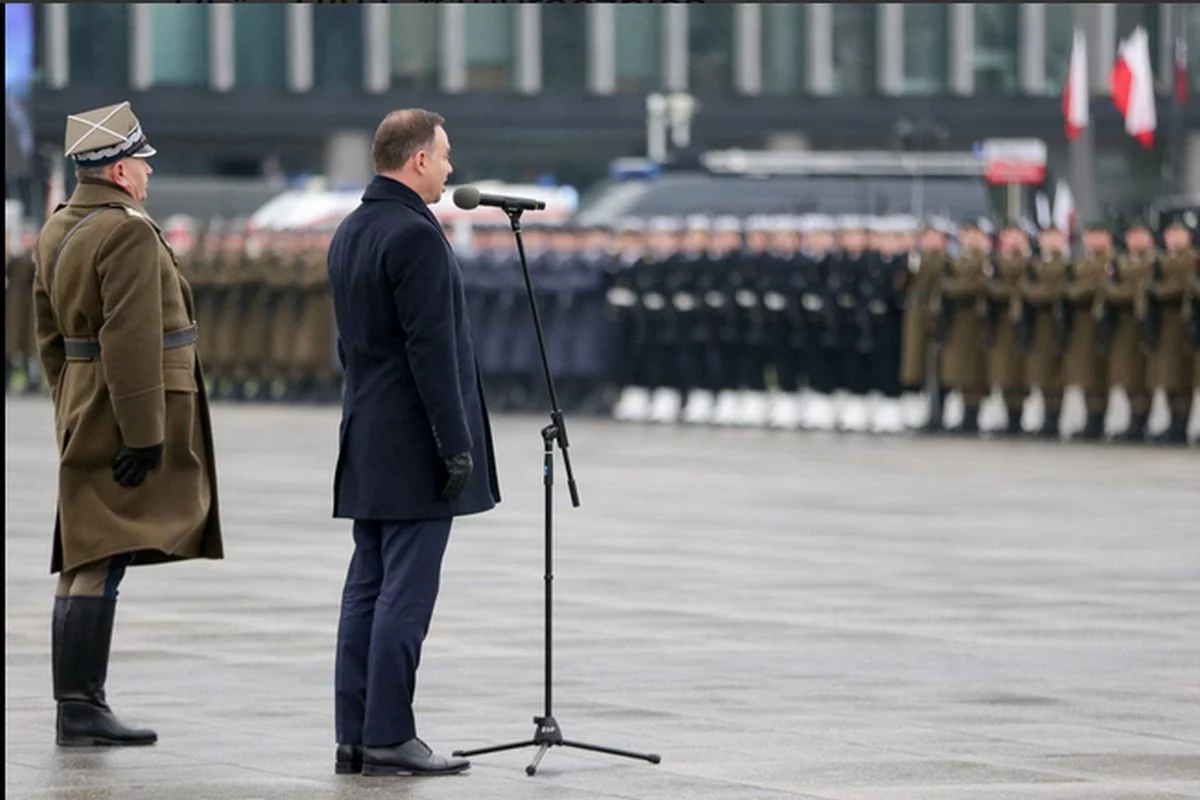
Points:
x=1179, y=20
x=1082, y=149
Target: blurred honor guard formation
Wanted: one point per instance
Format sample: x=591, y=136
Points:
x=879, y=324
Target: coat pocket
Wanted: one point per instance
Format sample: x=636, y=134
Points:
x=179, y=379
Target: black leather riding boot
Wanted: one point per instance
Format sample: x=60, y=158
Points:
x=83, y=628
x=1049, y=425
x=1136, y=432
x=1093, y=429
x=1176, y=432
x=970, y=421
x=1013, y=428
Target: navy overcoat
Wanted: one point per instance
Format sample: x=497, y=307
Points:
x=413, y=393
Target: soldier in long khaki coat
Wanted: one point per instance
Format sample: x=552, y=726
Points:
x=202, y=282
x=283, y=295
x=1120, y=309
x=315, y=340
x=254, y=340
x=1039, y=317
x=1083, y=363
x=1191, y=322
x=230, y=288
x=18, y=318
x=918, y=324
x=957, y=305
x=137, y=481
x=1004, y=355
x=1170, y=366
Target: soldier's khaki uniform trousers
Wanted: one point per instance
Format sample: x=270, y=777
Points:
x=95, y=579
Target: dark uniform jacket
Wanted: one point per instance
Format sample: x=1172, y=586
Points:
x=412, y=391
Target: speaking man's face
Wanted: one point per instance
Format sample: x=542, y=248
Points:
x=438, y=168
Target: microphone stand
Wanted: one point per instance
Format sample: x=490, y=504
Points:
x=547, y=733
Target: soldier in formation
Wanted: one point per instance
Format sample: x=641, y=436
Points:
x=859, y=324
x=1041, y=334
x=835, y=324
x=22, y=370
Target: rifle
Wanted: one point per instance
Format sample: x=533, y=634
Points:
x=1152, y=322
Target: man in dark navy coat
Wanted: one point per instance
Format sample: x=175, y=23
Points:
x=415, y=447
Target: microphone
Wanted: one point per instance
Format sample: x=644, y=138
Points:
x=468, y=197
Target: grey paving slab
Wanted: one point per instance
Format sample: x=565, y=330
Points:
x=778, y=615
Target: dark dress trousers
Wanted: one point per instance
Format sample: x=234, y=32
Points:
x=412, y=396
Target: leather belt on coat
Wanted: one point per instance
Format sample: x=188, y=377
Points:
x=89, y=349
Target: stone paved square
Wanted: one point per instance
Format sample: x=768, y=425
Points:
x=778, y=615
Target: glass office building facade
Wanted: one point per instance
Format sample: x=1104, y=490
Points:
x=560, y=89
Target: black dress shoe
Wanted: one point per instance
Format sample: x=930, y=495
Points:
x=411, y=758
x=348, y=760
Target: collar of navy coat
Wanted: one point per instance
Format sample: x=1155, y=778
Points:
x=384, y=188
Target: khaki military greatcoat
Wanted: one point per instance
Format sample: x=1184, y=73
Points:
x=115, y=283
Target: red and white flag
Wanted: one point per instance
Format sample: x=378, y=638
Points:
x=1181, y=70
x=1133, y=87
x=1075, y=92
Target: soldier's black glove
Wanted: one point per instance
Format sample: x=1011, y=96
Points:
x=132, y=464
x=458, y=468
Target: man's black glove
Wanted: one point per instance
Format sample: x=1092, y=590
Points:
x=459, y=468
x=131, y=464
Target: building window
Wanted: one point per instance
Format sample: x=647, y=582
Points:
x=926, y=45
x=414, y=45
x=260, y=45
x=565, y=46
x=853, y=48
x=490, y=47
x=639, y=46
x=710, y=49
x=784, y=47
x=178, y=45
x=997, y=33
x=337, y=47
x=99, y=44
x=1060, y=35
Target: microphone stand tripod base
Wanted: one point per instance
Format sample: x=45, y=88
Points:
x=546, y=735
